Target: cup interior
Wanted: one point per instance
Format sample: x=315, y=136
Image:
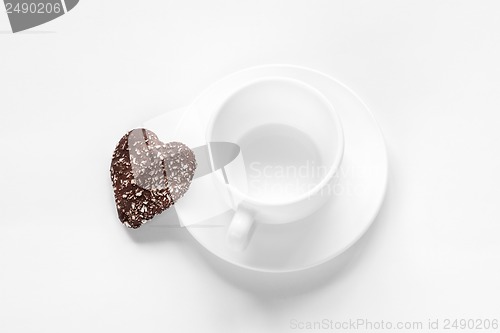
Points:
x=290, y=137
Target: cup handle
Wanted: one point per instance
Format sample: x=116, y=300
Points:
x=240, y=230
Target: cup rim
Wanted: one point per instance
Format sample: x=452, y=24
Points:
x=333, y=168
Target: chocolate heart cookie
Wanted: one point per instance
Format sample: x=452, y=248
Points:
x=148, y=175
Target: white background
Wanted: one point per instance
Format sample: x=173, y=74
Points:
x=69, y=89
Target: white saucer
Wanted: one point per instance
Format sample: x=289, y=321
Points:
x=344, y=218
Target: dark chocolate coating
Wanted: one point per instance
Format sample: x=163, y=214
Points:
x=149, y=176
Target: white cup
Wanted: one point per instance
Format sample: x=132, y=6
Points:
x=291, y=143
